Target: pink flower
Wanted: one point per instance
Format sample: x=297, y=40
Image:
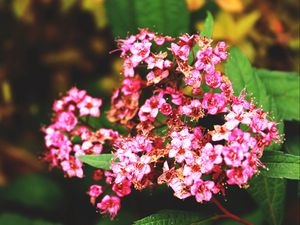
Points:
x=149, y=110
x=128, y=67
x=90, y=106
x=122, y=189
x=72, y=167
x=181, y=51
x=221, y=50
x=206, y=60
x=233, y=155
x=97, y=175
x=140, y=51
x=194, y=109
x=179, y=188
x=202, y=190
x=214, y=103
x=131, y=85
x=74, y=95
x=238, y=176
x=213, y=79
x=156, y=75
x=110, y=205
x=95, y=191
x=242, y=138
x=66, y=121
x=166, y=109
x=210, y=156
x=194, y=79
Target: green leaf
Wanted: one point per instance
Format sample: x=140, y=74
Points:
x=242, y=75
x=281, y=165
x=102, y=161
x=163, y=16
x=284, y=88
x=208, y=26
x=174, y=217
x=269, y=194
x=121, y=17
x=33, y=191
x=13, y=219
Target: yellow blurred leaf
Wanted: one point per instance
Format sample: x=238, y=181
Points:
x=246, y=23
x=233, y=6
x=234, y=31
x=6, y=92
x=68, y=56
x=22, y=10
x=117, y=66
x=224, y=26
x=108, y=83
x=20, y=7
x=65, y=5
x=194, y=5
x=96, y=7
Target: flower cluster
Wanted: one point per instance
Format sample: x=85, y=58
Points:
x=70, y=134
x=186, y=127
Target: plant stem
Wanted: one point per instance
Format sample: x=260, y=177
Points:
x=228, y=214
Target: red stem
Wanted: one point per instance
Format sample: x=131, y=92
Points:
x=228, y=214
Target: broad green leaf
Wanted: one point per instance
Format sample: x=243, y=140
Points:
x=165, y=16
x=175, y=217
x=121, y=17
x=33, y=191
x=102, y=161
x=242, y=75
x=160, y=15
x=208, y=26
x=15, y=219
x=269, y=194
x=284, y=88
x=281, y=165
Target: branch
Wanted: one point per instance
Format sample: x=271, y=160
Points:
x=228, y=214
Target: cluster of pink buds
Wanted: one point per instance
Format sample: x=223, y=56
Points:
x=186, y=128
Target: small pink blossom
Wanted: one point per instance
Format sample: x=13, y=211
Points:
x=66, y=121
x=166, y=109
x=214, y=103
x=110, y=205
x=90, y=106
x=122, y=189
x=95, y=190
x=181, y=51
x=202, y=190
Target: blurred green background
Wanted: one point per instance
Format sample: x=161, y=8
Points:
x=48, y=46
